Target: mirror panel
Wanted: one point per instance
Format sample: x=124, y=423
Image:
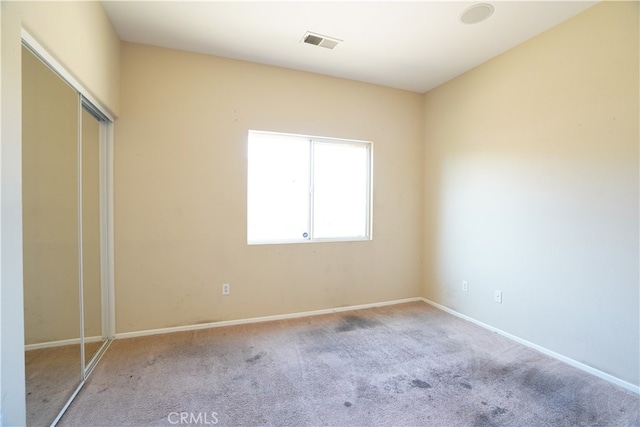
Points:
x=91, y=254
x=50, y=240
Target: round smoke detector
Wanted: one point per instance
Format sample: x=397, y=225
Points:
x=476, y=13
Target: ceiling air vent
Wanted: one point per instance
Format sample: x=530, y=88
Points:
x=319, y=40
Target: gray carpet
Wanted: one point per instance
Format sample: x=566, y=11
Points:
x=52, y=375
x=409, y=364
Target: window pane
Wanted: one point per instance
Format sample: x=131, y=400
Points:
x=340, y=204
x=278, y=188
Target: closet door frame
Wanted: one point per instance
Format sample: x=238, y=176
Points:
x=103, y=170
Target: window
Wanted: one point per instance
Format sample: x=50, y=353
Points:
x=302, y=188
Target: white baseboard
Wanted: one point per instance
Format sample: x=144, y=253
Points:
x=558, y=356
x=51, y=344
x=261, y=319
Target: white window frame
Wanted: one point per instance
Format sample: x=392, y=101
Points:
x=369, y=190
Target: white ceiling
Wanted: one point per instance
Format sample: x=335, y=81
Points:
x=414, y=45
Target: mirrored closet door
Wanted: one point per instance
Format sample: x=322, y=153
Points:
x=65, y=261
x=93, y=269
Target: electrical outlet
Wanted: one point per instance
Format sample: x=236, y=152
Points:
x=226, y=289
x=465, y=286
x=497, y=296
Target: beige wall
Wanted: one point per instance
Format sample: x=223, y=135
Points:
x=531, y=187
x=180, y=191
x=79, y=36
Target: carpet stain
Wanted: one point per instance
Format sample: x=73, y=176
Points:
x=351, y=323
x=541, y=382
x=498, y=370
x=420, y=384
x=489, y=420
x=483, y=420
x=498, y=411
x=396, y=384
x=253, y=360
x=467, y=386
x=560, y=392
x=347, y=404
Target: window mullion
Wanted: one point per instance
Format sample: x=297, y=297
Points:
x=311, y=193
x=369, y=207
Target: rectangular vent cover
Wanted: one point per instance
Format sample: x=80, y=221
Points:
x=319, y=40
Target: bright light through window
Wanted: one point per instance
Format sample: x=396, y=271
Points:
x=307, y=189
